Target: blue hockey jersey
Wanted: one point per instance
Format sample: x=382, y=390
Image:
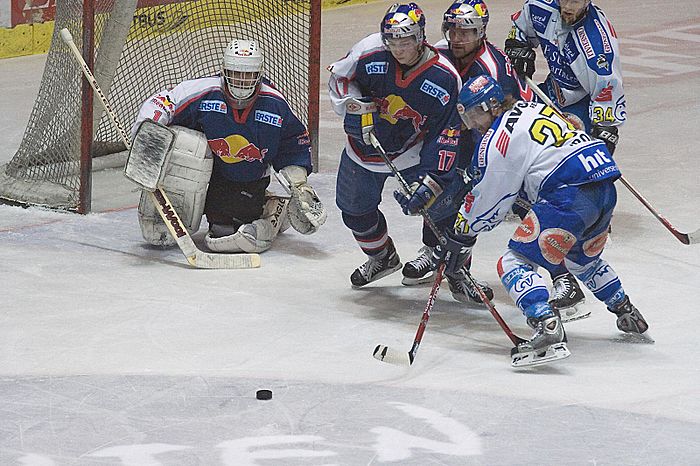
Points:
x=418, y=123
x=491, y=60
x=245, y=142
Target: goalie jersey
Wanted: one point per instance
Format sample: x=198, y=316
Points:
x=529, y=150
x=245, y=142
x=584, y=59
x=418, y=124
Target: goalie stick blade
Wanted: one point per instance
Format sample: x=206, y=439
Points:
x=205, y=260
x=391, y=356
x=531, y=358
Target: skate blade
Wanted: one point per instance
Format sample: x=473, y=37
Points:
x=531, y=358
x=571, y=314
x=632, y=337
x=377, y=277
x=418, y=281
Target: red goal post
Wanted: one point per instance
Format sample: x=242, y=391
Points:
x=139, y=47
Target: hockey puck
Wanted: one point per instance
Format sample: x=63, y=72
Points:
x=263, y=394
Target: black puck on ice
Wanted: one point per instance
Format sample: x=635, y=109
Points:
x=263, y=394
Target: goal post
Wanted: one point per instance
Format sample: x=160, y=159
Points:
x=140, y=47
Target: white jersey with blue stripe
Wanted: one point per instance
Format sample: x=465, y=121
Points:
x=529, y=149
x=583, y=59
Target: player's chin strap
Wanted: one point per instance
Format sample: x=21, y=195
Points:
x=177, y=228
x=386, y=354
x=685, y=238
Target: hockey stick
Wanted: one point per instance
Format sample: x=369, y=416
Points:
x=381, y=351
x=392, y=356
x=685, y=238
x=178, y=230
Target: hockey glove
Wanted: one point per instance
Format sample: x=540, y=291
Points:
x=360, y=116
x=522, y=57
x=423, y=195
x=455, y=253
x=306, y=211
x=607, y=134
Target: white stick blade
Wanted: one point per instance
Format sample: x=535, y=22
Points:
x=694, y=237
x=205, y=260
x=391, y=356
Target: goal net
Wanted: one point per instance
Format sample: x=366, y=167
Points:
x=141, y=47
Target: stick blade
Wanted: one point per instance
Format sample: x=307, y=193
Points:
x=694, y=237
x=392, y=356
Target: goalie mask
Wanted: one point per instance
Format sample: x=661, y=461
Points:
x=242, y=69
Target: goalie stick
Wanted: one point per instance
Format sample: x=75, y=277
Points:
x=685, y=238
x=392, y=356
x=195, y=256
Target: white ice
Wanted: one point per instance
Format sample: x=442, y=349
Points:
x=115, y=353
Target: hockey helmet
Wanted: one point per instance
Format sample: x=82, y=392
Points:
x=403, y=20
x=478, y=96
x=242, y=68
x=466, y=14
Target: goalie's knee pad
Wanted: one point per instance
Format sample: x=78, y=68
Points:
x=185, y=182
x=258, y=235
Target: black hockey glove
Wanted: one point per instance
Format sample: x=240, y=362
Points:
x=455, y=253
x=522, y=56
x=607, y=134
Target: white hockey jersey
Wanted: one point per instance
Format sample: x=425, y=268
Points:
x=529, y=150
x=584, y=59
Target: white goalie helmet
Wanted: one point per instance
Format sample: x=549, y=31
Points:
x=242, y=68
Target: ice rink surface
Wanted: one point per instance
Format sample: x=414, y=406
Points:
x=115, y=353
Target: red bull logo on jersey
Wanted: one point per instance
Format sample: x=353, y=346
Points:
x=236, y=148
x=393, y=108
x=164, y=102
x=436, y=91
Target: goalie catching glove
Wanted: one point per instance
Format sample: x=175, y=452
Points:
x=423, y=194
x=306, y=211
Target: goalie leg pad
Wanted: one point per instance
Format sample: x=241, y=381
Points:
x=258, y=235
x=185, y=182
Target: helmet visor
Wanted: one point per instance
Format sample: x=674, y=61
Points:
x=477, y=117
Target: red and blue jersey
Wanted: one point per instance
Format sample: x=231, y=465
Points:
x=245, y=142
x=418, y=124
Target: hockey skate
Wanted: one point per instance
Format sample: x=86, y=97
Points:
x=421, y=269
x=463, y=291
x=547, y=344
x=376, y=267
x=630, y=320
x=568, y=298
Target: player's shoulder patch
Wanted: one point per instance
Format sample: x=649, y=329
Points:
x=595, y=41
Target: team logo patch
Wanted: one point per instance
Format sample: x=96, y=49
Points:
x=528, y=230
x=436, y=91
x=268, y=118
x=213, y=106
x=595, y=245
x=555, y=244
x=376, y=67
